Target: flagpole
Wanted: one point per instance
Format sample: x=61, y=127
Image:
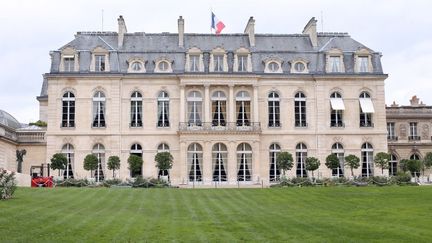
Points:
x=211, y=19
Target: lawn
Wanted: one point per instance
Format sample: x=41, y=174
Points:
x=335, y=214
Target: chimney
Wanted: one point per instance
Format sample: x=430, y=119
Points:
x=122, y=30
x=250, y=30
x=310, y=29
x=180, y=22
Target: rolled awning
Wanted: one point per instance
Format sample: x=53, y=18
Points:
x=337, y=104
x=366, y=105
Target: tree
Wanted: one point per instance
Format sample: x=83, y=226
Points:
x=427, y=161
x=353, y=162
x=164, y=161
x=113, y=163
x=20, y=158
x=58, y=162
x=7, y=184
x=382, y=159
x=403, y=165
x=135, y=164
x=284, y=161
x=332, y=162
x=312, y=164
x=91, y=163
x=414, y=166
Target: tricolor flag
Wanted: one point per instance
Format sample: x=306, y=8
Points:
x=216, y=24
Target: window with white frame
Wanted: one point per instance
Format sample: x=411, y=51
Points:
x=274, y=110
x=391, y=134
x=100, y=63
x=301, y=155
x=336, y=110
x=335, y=64
x=363, y=64
x=299, y=66
x=219, y=159
x=136, y=66
x=300, y=110
x=243, y=108
x=242, y=63
x=274, y=173
x=194, y=111
x=338, y=150
x=218, y=108
x=273, y=67
x=194, y=61
x=413, y=135
x=367, y=160
x=163, y=66
x=68, y=152
x=244, y=162
x=393, y=164
x=163, y=109
x=99, y=109
x=69, y=63
x=366, y=110
x=163, y=147
x=218, y=62
x=136, y=109
x=195, y=160
x=99, y=152
x=68, y=110
x=136, y=149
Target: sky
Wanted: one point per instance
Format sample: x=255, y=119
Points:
x=30, y=29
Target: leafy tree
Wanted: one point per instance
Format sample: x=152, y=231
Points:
x=403, y=164
x=20, y=158
x=135, y=163
x=113, y=163
x=312, y=164
x=353, y=162
x=414, y=166
x=58, y=162
x=427, y=161
x=284, y=161
x=332, y=162
x=7, y=184
x=91, y=163
x=382, y=159
x=164, y=161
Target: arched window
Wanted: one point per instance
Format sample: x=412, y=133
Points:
x=68, y=151
x=194, y=101
x=414, y=157
x=136, y=149
x=274, y=170
x=219, y=159
x=243, y=108
x=274, y=109
x=99, y=152
x=163, y=147
x=244, y=162
x=393, y=165
x=338, y=150
x=300, y=110
x=301, y=155
x=366, y=110
x=99, y=109
x=163, y=109
x=195, y=159
x=218, y=108
x=336, y=110
x=367, y=160
x=68, y=110
x=136, y=109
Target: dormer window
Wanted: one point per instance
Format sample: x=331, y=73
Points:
x=100, y=60
x=218, y=60
x=242, y=60
x=194, y=63
x=136, y=65
x=163, y=66
x=194, y=60
x=299, y=66
x=69, y=63
x=100, y=63
x=218, y=63
x=363, y=62
x=242, y=63
x=334, y=63
x=69, y=60
x=273, y=67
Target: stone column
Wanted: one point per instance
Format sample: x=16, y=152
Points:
x=232, y=162
x=207, y=103
x=182, y=103
x=255, y=104
x=231, y=104
x=207, y=163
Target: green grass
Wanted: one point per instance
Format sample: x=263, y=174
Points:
x=336, y=214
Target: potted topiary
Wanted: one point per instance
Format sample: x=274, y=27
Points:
x=164, y=162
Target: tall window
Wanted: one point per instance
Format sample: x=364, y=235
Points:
x=194, y=101
x=136, y=109
x=195, y=159
x=194, y=63
x=337, y=108
x=218, y=63
x=301, y=155
x=99, y=109
x=366, y=110
x=68, y=110
x=163, y=147
x=218, y=108
x=99, y=152
x=68, y=151
x=413, y=131
x=335, y=65
x=136, y=149
x=163, y=109
x=274, y=170
x=243, y=108
x=338, y=150
x=69, y=64
x=274, y=109
x=300, y=110
x=242, y=63
x=391, y=131
x=367, y=160
x=393, y=165
x=244, y=162
x=99, y=63
x=363, y=64
x=219, y=159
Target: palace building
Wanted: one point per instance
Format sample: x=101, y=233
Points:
x=223, y=105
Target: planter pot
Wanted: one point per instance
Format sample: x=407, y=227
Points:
x=164, y=178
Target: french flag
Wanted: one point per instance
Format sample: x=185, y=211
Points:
x=216, y=24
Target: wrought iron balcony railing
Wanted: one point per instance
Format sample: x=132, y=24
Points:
x=392, y=138
x=219, y=127
x=414, y=138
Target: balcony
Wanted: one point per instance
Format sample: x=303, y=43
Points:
x=414, y=138
x=337, y=124
x=228, y=127
x=366, y=124
x=392, y=138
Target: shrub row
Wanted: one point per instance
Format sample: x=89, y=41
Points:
x=138, y=182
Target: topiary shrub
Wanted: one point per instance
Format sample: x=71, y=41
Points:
x=402, y=178
x=112, y=182
x=7, y=184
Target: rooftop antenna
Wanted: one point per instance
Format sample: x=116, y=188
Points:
x=322, y=21
x=102, y=18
